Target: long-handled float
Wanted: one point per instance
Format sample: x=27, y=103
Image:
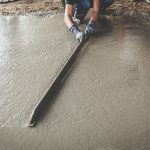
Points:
x=55, y=85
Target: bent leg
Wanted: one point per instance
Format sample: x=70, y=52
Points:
x=81, y=8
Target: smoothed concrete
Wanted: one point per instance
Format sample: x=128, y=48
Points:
x=104, y=102
x=32, y=51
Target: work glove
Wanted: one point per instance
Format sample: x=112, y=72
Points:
x=90, y=28
x=78, y=33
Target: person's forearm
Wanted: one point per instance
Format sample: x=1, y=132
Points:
x=68, y=20
x=95, y=15
x=68, y=16
x=96, y=10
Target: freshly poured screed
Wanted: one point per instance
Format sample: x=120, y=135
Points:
x=32, y=51
x=104, y=104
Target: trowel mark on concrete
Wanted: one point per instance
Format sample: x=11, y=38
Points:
x=32, y=51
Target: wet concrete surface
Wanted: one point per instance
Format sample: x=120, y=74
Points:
x=103, y=103
x=30, y=57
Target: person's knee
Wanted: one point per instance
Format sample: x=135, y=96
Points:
x=111, y=2
x=87, y=5
x=84, y=4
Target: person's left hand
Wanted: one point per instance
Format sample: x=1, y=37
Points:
x=90, y=29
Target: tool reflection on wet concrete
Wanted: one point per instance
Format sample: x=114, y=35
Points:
x=55, y=84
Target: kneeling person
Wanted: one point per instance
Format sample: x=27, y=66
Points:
x=79, y=9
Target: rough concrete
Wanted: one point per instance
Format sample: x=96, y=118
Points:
x=104, y=103
x=32, y=51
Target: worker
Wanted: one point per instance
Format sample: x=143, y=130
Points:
x=77, y=10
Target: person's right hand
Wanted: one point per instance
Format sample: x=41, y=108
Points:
x=80, y=36
x=78, y=33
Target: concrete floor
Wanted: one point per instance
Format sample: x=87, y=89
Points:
x=104, y=102
x=32, y=51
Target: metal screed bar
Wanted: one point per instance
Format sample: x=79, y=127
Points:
x=54, y=86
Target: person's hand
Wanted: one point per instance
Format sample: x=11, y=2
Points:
x=90, y=28
x=78, y=33
x=80, y=36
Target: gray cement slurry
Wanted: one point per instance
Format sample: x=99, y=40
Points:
x=104, y=103
x=32, y=51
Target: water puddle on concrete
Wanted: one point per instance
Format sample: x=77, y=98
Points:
x=104, y=102
x=32, y=51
